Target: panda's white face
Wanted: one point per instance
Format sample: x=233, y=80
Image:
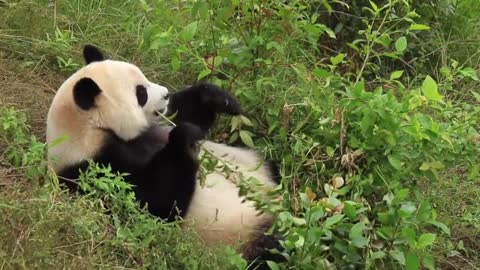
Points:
x=103, y=95
x=107, y=94
x=153, y=98
x=127, y=101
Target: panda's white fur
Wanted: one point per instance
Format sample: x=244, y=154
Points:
x=216, y=211
x=219, y=214
x=117, y=109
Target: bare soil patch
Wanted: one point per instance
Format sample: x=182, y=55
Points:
x=28, y=91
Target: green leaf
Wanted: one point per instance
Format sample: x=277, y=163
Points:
x=374, y=6
x=396, y=74
x=299, y=221
x=424, y=212
x=235, y=123
x=378, y=255
x=401, y=44
x=316, y=212
x=440, y=225
x=273, y=265
x=246, y=121
x=410, y=235
x=470, y=73
x=246, y=139
x=301, y=71
x=407, y=209
x=332, y=220
x=446, y=72
x=189, y=31
x=428, y=262
x=437, y=165
x=419, y=27
x=473, y=172
x=357, y=230
x=360, y=242
x=175, y=63
x=398, y=256
x=385, y=40
x=395, y=162
x=330, y=151
x=337, y=59
x=425, y=166
x=477, y=96
x=327, y=6
x=412, y=262
x=349, y=209
x=204, y=73
x=400, y=195
x=200, y=8
x=426, y=240
x=434, y=165
x=321, y=73
x=329, y=32
x=430, y=89
x=388, y=198
x=274, y=44
x=233, y=138
x=386, y=232
x=367, y=122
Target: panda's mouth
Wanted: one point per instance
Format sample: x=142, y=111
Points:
x=161, y=111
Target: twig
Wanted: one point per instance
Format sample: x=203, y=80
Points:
x=55, y=13
x=342, y=132
x=468, y=262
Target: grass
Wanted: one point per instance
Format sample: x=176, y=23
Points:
x=43, y=227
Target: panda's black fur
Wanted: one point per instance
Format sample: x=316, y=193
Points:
x=175, y=161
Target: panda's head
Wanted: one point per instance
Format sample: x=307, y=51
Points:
x=103, y=95
x=111, y=95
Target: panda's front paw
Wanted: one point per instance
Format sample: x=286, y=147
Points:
x=185, y=134
x=219, y=100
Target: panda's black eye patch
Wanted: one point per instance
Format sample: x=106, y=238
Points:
x=142, y=95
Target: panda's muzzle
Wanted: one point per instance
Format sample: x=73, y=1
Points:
x=164, y=108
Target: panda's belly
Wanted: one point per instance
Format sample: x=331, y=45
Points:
x=217, y=212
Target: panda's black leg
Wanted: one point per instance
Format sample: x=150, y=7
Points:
x=199, y=104
x=257, y=252
x=170, y=177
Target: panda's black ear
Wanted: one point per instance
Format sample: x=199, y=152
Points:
x=84, y=93
x=92, y=54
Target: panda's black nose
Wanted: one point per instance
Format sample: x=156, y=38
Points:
x=166, y=96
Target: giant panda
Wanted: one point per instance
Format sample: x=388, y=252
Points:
x=109, y=112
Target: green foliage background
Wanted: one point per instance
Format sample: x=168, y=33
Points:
x=371, y=108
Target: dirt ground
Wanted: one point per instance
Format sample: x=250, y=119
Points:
x=30, y=93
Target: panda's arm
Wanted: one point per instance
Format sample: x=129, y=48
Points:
x=132, y=155
x=168, y=181
x=164, y=175
x=123, y=156
x=199, y=104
